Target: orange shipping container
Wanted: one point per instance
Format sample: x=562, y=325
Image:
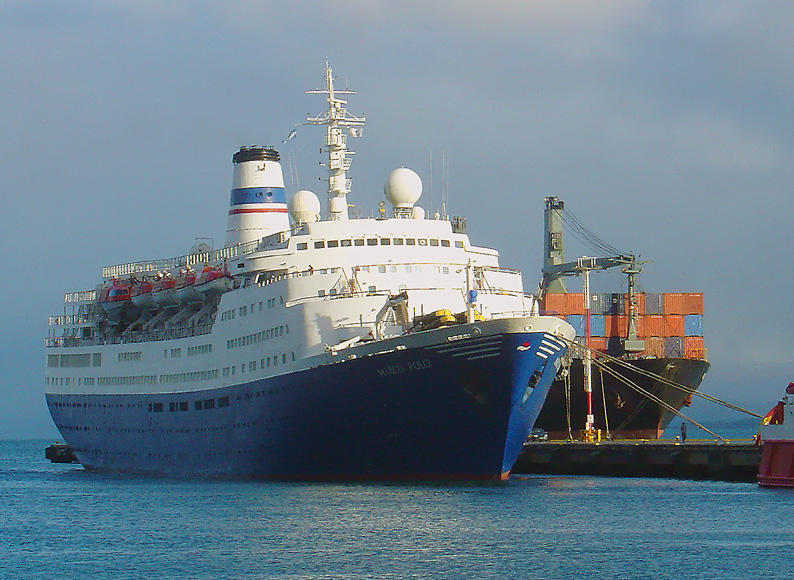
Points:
x=554, y=304
x=616, y=325
x=674, y=303
x=598, y=343
x=650, y=325
x=673, y=325
x=693, y=303
x=654, y=346
x=574, y=303
x=693, y=347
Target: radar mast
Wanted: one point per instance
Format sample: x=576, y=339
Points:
x=338, y=122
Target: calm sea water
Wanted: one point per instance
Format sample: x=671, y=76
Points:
x=57, y=521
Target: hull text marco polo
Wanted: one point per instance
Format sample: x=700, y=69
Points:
x=387, y=348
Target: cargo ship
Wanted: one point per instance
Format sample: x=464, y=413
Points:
x=312, y=346
x=658, y=339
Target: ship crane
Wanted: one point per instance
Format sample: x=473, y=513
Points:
x=554, y=269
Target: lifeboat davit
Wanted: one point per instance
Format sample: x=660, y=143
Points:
x=185, y=292
x=164, y=292
x=141, y=294
x=213, y=281
x=115, y=298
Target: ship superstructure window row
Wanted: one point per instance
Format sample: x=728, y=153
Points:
x=74, y=360
x=433, y=242
x=189, y=377
x=200, y=349
x=125, y=381
x=258, y=337
x=130, y=356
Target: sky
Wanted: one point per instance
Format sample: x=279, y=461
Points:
x=665, y=126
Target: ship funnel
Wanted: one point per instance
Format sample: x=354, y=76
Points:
x=258, y=205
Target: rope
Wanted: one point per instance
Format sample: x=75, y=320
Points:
x=679, y=386
x=655, y=399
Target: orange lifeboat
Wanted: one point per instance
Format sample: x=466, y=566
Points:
x=141, y=295
x=213, y=281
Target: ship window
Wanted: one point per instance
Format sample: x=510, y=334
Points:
x=372, y=289
x=372, y=242
x=293, y=356
x=197, y=405
x=392, y=269
x=410, y=242
x=398, y=241
x=318, y=245
x=96, y=359
x=172, y=407
x=332, y=292
x=358, y=242
x=382, y=269
x=422, y=242
x=445, y=269
x=346, y=243
x=157, y=407
x=209, y=403
x=262, y=363
x=223, y=402
x=333, y=243
x=302, y=246
x=268, y=362
x=417, y=268
x=321, y=293
x=183, y=406
x=444, y=243
x=433, y=242
x=275, y=361
x=385, y=241
x=284, y=358
x=458, y=244
x=408, y=269
x=364, y=268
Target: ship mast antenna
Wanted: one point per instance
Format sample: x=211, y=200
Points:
x=337, y=121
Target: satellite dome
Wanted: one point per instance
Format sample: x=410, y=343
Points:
x=418, y=213
x=403, y=188
x=304, y=207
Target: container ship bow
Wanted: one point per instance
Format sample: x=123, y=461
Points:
x=307, y=348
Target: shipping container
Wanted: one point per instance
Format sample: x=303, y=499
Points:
x=654, y=303
x=693, y=347
x=615, y=303
x=597, y=325
x=650, y=325
x=577, y=321
x=674, y=303
x=616, y=325
x=673, y=325
x=554, y=304
x=674, y=346
x=574, y=303
x=654, y=346
x=693, y=325
x=693, y=303
x=597, y=304
x=598, y=343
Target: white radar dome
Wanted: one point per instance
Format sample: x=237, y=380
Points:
x=403, y=188
x=304, y=207
x=418, y=213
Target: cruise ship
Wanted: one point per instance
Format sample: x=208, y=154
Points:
x=311, y=346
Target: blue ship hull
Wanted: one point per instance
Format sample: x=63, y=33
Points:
x=459, y=410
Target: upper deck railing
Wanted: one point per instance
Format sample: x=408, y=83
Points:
x=272, y=242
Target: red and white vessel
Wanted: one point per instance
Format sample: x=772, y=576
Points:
x=777, y=435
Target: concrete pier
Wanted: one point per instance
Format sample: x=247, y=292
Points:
x=698, y=459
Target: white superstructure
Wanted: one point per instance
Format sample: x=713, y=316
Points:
x=301, y=293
